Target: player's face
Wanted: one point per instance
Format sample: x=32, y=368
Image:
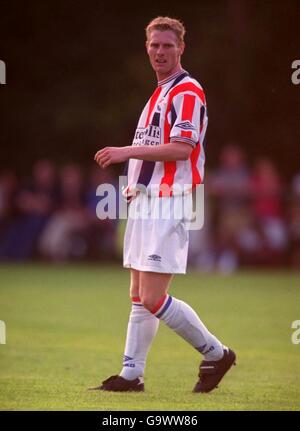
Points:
x=164, y=52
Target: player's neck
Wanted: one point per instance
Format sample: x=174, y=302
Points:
x=163, y=76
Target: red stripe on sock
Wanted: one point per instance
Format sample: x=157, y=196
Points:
x=136, y=299
x=159, y=304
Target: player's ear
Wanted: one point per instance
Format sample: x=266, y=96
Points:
x=147, y=45
x=182, y=47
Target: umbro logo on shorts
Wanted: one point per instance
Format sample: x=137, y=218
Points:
x=186, y=125
x=154, y=257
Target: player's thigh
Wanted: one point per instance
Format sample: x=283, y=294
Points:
x=134, y=290
x=153, y=286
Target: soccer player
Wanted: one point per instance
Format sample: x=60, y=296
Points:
x=166, y=161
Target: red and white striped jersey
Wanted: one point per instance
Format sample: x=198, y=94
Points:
x=175, y=112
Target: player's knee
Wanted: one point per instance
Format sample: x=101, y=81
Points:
x=149, y=302
x=134, y=290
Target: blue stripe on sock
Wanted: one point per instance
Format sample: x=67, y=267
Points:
x=168, y=303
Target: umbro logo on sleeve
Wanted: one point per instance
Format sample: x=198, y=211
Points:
x=186, y=125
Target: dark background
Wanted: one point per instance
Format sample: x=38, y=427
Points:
x=78, y=76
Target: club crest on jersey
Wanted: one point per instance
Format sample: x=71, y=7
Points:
x=186, y=125
x=149, y=135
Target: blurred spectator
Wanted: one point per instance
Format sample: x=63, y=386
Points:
x=64, y=236
x=102, y=233
x=34, y=202
x=230, y=182
x=8, y=189
x=268, y=208
x=74, y=231
x=294, y=221
x=201, y=250
x=229, y=185
x=8, y=210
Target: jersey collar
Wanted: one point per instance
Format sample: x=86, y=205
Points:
x=170, y=78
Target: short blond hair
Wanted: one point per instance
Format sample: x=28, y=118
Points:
x=164, y=23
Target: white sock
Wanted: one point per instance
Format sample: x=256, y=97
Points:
x=180, y=317
x=142, y=328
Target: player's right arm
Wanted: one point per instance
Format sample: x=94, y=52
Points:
x=168, y=152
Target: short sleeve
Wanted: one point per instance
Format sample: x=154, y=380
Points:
x=185, y=118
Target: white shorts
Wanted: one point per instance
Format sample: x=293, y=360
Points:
x=158, y=240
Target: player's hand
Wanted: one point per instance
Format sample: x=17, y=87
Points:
x=110, y=155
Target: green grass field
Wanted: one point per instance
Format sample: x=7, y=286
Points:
x=66, y=328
